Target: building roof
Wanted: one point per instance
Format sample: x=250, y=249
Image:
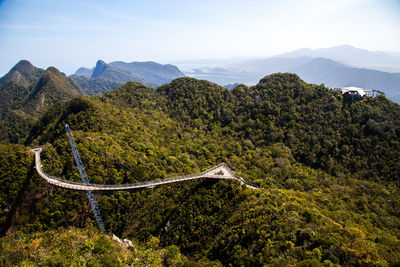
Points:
x=351, y=89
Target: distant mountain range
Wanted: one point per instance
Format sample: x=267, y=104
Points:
x=104, y=77
x=355, y=57
x=334, y=74
x=27, y=91
x=335, y=67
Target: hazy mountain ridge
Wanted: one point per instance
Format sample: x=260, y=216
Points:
x=355, y=57
x=93, y=86
x=334, y=74
x=105, y=78
x=84, y=72
x=105, y=70
x=110, y=76
x=312, y=69
x=151, y=71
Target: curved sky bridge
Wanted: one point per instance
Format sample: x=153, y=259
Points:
x=221, y=172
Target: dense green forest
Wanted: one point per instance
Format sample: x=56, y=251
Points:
x=327, y=168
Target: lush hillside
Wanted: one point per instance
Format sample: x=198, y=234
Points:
x=311, y=120
x=25, y=93
x=15, y=86
x=52, y=86
x=327, y=171
x=85, y=247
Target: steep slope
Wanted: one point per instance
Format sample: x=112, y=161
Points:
x=15, y=86
x=26, y=92
x=23, y=74
x=53, y=86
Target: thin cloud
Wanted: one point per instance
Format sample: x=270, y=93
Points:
x=54, y=27
x=112, y=14
x=22, y=27
x=166, y=24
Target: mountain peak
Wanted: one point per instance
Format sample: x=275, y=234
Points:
x=101, y=62
x=341, y=49
x=84, y=72
x=345, y=46
x=281, y=78
x=24, y=67
x=54, y=70
x=52, y=86
x=101, y=66
x=23, y=73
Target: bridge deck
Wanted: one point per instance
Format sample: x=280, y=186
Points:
x=220, y=171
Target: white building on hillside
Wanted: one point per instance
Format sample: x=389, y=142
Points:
x=351, y=90
x=354, y=90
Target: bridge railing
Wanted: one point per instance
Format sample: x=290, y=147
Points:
x=141, y=184
x=147, y=183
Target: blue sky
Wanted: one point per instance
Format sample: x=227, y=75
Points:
x=75, y=33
